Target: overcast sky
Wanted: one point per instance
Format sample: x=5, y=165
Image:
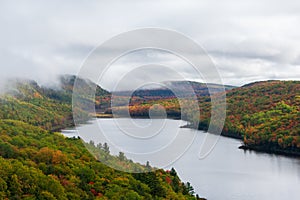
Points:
x=248, y=40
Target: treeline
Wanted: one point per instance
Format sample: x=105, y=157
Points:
x=158, y=108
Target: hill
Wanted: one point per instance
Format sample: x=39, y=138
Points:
x=175, y=88
x=49, y=108
x=142, y=99
x=37, y=163
x=26, y=101
x=265, y=115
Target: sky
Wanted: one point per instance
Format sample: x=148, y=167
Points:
x=249, y=40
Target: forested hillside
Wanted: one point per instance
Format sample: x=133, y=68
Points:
x=26, y=101
x=37, y=163
x=266, y=115
x=48, y=108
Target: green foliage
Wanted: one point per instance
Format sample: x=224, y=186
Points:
x=48, y=166
x=36, y=163
x=277, y=127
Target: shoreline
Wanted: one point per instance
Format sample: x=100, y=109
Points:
x=262, y=149
x=244, y=147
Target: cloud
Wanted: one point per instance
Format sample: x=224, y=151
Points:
x=248, y=40
x=137, y=68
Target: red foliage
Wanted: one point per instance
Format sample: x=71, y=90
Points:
x=168, y=180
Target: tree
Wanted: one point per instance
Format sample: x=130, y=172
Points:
x=15, y=187
x=92, y=143
x=99, y=146
x=106, y=148
x=121, y=156
x=173, y=172
x=148, y=167
x=189, y=188
x=45, y=195
x=3, y=188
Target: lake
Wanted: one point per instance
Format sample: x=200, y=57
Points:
x=227, y=173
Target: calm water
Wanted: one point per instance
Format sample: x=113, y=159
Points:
x=226, y=173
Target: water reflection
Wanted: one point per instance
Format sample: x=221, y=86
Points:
x=227, y=173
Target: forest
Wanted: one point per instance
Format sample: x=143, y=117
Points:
x=36, y=162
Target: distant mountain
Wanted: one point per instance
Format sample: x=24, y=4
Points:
x=176, y=89
x=67, y=83
x=200, y=89
x=102, y=97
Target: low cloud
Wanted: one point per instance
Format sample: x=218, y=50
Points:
x=248, y=40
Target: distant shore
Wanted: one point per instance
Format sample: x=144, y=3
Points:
x=261, y=149
x=270, y=151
